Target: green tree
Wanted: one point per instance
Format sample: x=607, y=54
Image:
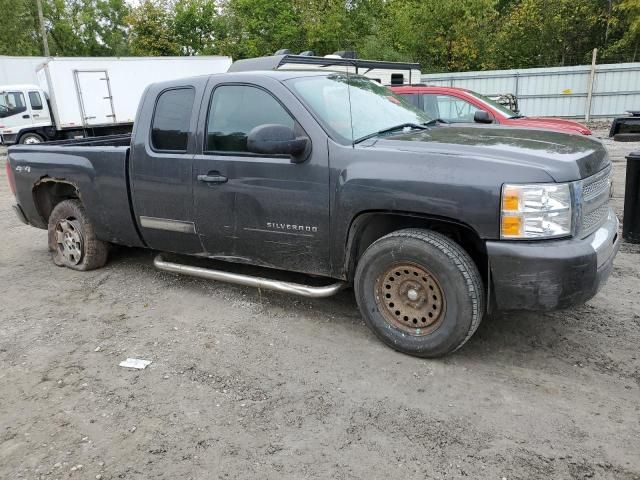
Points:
x=549, y=32
x=87, y=27
x=332, y=25
x=151, y=29
x=440, y=34
x=260, y=27
x=197, y=26
x=19, y=33
x=624, y=27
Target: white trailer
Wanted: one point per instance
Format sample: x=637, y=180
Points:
x=386, y=73
x=79, y=97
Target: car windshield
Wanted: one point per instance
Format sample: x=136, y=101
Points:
x=352, y=107
x=498, y=106
x=11, y=103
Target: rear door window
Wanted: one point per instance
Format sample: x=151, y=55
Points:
x=235, y=110
x=171, y=120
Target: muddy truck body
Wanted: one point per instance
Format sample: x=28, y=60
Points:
x=334, y=177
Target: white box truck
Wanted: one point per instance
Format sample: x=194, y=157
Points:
x=82, y=97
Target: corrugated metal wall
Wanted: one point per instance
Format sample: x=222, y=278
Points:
x=19, y=70
x=556, y=91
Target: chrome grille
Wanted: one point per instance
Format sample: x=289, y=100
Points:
x=594, y=219
x=595, y=201
x=594, y=189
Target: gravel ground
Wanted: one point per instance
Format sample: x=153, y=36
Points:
x=250, y=385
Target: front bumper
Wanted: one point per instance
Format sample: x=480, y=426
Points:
x=8, y=138
x=552, y=274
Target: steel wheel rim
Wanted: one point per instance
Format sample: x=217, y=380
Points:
x=410, y=298
x=30, y=140
x=69, y=240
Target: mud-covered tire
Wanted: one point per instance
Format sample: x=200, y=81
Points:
x=433, y=264
x=72, y=240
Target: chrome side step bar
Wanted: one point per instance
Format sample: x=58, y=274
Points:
x=249, y=281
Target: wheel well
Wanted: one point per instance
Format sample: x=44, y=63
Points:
x=48, y=193
x=38, y=132
x=369, y=227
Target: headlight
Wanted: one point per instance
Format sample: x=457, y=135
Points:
x=540, y=210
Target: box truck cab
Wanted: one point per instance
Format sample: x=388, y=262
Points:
x=24, y=112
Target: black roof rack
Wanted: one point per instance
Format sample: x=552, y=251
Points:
x=274, y=61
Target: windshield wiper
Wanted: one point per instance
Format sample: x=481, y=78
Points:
x=436, y=120
x=402, y=126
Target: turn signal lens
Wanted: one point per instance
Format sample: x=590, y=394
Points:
x=511, y=226
x=536, y=211
x=511, y=200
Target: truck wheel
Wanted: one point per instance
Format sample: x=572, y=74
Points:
x=420, y=292
x=72, y=240
x=30, y=139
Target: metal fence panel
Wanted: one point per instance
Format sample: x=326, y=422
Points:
x=556, y=91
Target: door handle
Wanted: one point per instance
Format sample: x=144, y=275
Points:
x=26, y=116
x=212, y=177
x=35, y=115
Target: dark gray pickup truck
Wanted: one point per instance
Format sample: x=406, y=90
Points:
x=335, y=177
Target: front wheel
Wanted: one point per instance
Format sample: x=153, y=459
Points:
x=72, y=240
x=31, y=139
x=420, y=292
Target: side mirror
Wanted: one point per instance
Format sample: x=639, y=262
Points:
x=482, y=116
x=275, y=139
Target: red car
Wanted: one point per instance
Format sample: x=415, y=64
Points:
x=458, y=105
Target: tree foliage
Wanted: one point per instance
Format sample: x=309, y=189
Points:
x=443, y=35
x=87, y=27
x=19, y=28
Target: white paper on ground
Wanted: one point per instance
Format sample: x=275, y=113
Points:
x=135, y=363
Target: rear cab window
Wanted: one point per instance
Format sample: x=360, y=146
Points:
x=171, y=121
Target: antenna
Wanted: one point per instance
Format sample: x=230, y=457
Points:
x=353, y=145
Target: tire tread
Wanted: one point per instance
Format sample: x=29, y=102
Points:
x=95, y=251
x=463, y=263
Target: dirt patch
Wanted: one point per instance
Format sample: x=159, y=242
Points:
x=249, y=385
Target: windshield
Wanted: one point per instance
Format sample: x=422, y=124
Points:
x=11, y=103
x=498, y=106
x=352, y=113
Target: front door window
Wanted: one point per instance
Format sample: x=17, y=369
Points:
x=12, y=103
x=451, y=109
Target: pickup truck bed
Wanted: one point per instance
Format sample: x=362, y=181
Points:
x=100, y=176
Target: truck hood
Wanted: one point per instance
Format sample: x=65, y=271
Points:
x=552, y=124
x=565, y=157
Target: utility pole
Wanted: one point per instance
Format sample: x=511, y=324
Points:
x=43, y=30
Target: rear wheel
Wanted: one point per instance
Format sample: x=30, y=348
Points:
x=420, y=292
x=72, y=239
x=31, y=139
